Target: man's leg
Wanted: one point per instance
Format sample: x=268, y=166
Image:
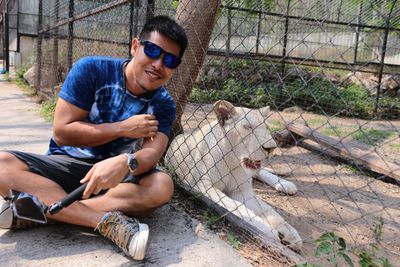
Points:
x=140, y=199
x=134, y=199
x=15, y=174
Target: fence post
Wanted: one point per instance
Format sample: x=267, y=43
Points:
x=70, y=34
x=285, y=39
x=258, y=32
x=131, y=8
x=383, y=54
x=133, y=23
x=6, y=52
x=39, y=47
x=360, y=9
x=55, y=44
x=150, y=9
x=229, y=28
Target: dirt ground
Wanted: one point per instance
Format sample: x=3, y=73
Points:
x=332, y=196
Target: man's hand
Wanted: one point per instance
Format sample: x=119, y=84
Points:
x=139, y=126
x=105, y=174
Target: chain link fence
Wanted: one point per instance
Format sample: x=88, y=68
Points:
x=328, y=70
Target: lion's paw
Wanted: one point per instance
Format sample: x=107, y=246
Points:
x=289, y=236
x=286, y=187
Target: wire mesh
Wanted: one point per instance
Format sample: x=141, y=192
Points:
x=330, y=67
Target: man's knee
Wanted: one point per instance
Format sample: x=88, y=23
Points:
x=161, y=188
x=11, y=162
x=9, y=165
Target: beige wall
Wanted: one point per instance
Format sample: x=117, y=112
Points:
x=27, y=50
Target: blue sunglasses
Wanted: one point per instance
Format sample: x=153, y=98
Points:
x=154, y=51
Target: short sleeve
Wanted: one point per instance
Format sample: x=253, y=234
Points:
x=79, y=86
x=165, y=115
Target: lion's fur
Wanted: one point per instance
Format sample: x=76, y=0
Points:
x=212, y=160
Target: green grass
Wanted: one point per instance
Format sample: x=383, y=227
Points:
x=317, y=122
x=248, y=83
x=371, y=136
x=47, y=109
x=351, y=168
x=275, y=125
x=395, y=146
x=335, y=131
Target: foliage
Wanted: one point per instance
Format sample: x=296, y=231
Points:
x=372, y=136
x=47, y=109
x=252, y=84
x=333, y=247
x=233, y=241
x=211, y=217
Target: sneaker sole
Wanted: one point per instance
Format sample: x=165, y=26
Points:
x=6, y=216
x=139, y=246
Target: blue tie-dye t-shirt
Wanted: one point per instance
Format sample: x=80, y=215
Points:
x=96, y=84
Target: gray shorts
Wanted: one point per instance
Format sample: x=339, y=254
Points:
x=65, y=170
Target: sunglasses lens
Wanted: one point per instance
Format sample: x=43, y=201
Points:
x=171, y=61
x=152, y=50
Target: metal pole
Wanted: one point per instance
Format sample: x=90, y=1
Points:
x=132, y=7
x=285, y=38
x=55, y=44
x=6, y=37
x=228, y=39
x=258, y=32
x=383, y=54
x=70, y=34
x=150, y=9
x=360, y=8
x=39, y=47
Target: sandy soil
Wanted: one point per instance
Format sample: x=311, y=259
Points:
x=331, y=196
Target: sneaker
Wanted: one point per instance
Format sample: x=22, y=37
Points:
x=127, y=233
x=9, y=221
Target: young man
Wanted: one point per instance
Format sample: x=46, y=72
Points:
x=111, y=127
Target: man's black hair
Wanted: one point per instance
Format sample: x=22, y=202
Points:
x=167, y=27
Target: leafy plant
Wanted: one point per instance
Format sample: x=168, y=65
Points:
x=233, y=241
x=211, y=217
x=334, y=247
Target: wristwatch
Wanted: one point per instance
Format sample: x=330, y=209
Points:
x=131, y=162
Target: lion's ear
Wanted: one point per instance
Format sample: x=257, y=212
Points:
x=224, y=111
x=264, y=111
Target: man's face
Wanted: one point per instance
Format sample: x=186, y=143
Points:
x=144, y=73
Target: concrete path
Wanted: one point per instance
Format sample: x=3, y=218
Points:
x=176, y=239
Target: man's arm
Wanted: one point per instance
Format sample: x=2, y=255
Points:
x=110, y=172
x=71, y=129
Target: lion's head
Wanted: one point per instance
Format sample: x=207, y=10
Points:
x=247, y=133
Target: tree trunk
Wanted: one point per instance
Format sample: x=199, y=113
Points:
x=197, y=18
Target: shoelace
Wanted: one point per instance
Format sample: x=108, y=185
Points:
x=119, y=228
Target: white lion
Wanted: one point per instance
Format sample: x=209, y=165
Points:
x=220, y=159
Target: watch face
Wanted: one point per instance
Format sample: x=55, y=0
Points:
x=132, y=163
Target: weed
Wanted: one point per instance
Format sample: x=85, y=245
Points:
x=351, y=168
x=233, y=241
x=47, y=109
x=211, y=217
x=371, y=136
x=334, y=247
